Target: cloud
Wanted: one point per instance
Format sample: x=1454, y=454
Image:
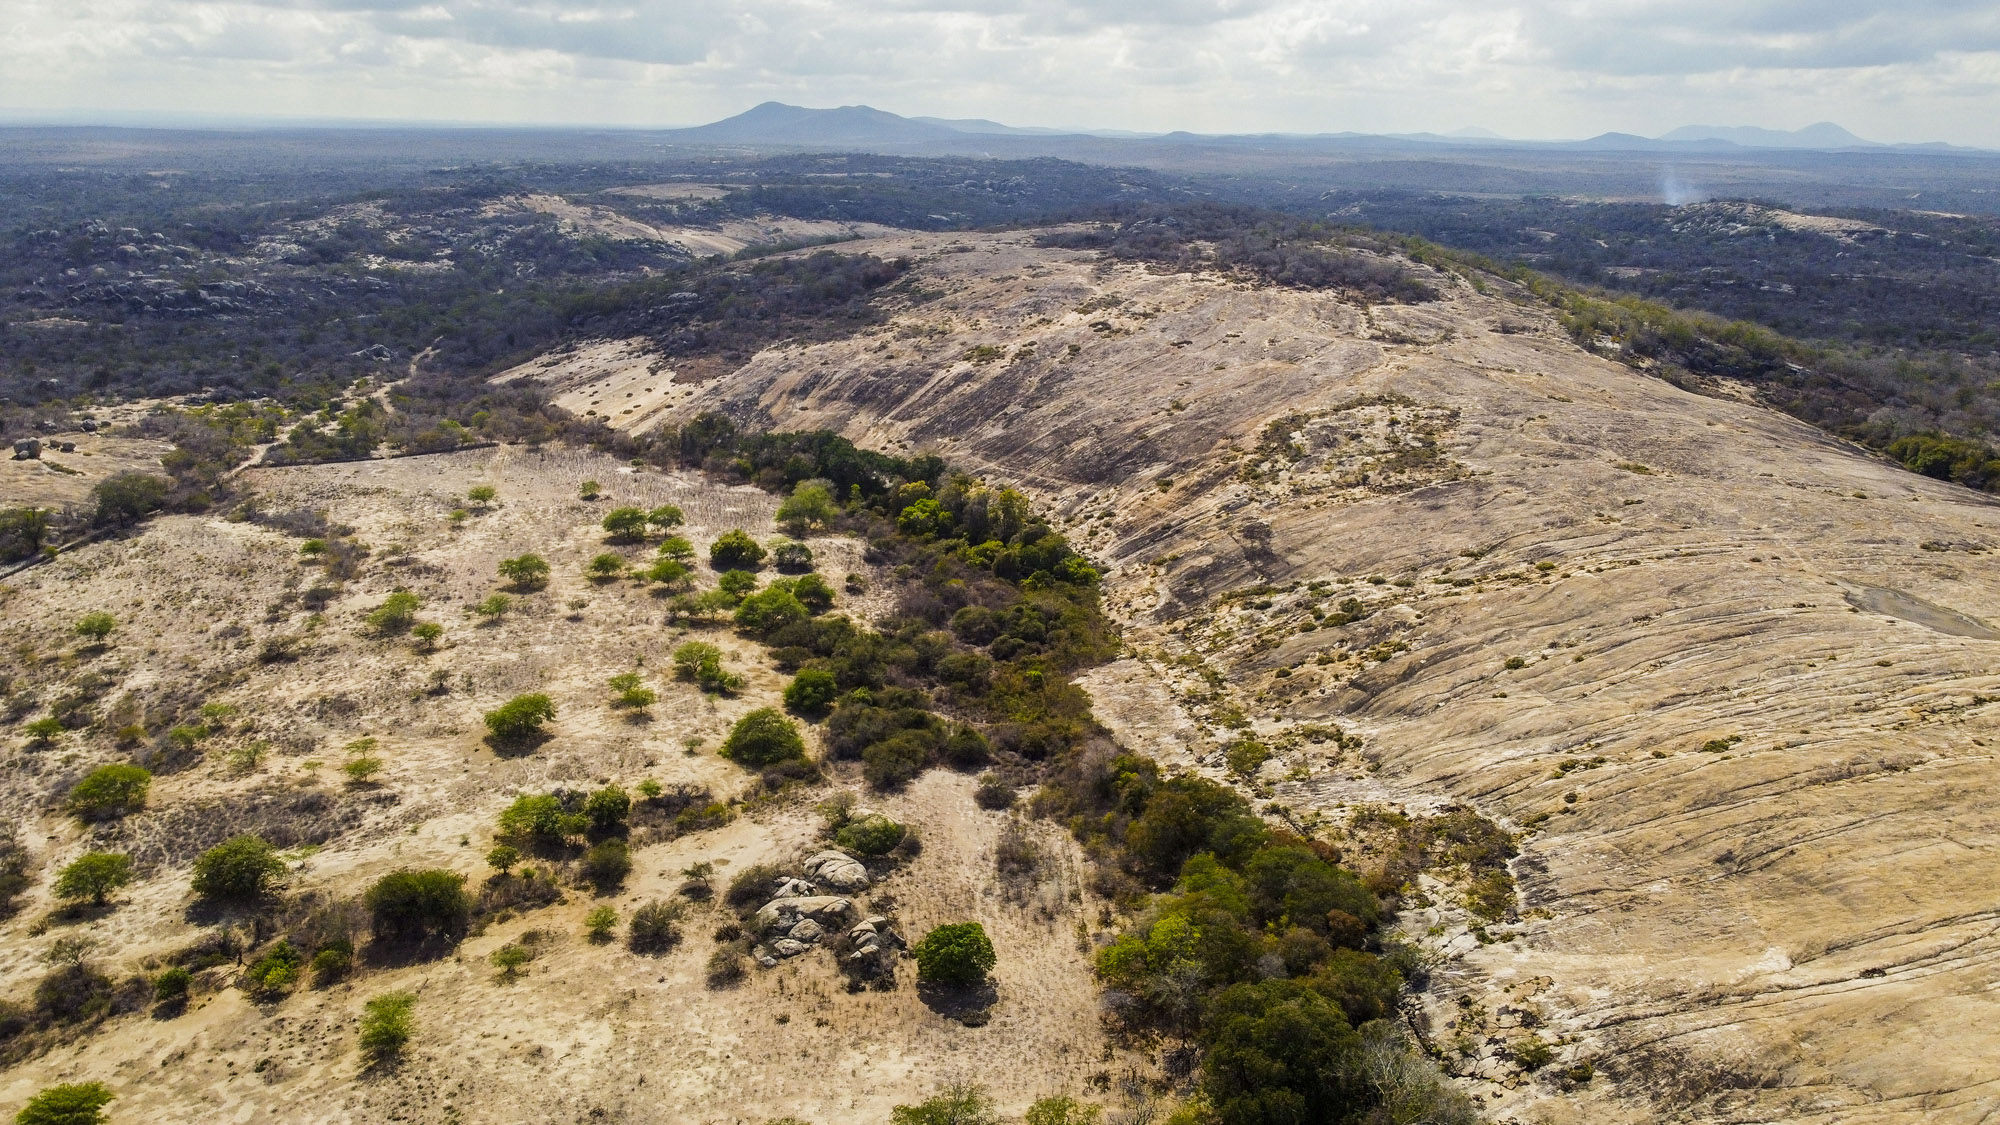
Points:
x=1567, y=67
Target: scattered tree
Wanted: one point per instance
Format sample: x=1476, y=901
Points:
x=957, y=1104
x=810, y=505
x=396, y=613
x=668, y=572
x=702, y=663
x=503, y=857
x=632, y=692
x=762, y=738
x=43, y=732
x=362, y=770
x=607, y=863
x=605, y=567
x=482, y=494
x=127, y=498
x=520, y=718
x=172, y=986
x=240, y=869
x=606, y=809
x=417, y=906
x=510, y=957
x=79, y=1103
x=494, y=607
x=735, y=550
x=527, y=572
x=625, y=524
x=386, y=1025
x=677, y=548
x=1063, y=1110
x=957, y=954
x=791, y=557
x=655, y=927
x=96, y=626
x=93, y=876
x=108, y=792
x=427, y=634
x=666, y=517
x=812, y=691
x=588, y=490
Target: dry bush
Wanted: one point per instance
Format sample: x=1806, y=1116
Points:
x=283, y=817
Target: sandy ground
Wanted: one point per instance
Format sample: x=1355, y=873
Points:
x=587, y=1028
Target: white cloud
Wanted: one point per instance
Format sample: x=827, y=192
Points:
x=1922, y=69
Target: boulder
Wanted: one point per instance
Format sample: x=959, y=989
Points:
x=807, y=931
x=794, y=888
x=838, y=870
x=784, y=913
x=786, y=947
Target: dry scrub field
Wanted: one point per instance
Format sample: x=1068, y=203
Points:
x=588, y=1032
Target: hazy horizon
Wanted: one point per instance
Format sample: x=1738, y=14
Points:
x=1530, y=70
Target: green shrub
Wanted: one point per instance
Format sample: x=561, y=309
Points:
x=957, y=1104
x=813, y=593
x=125, y=498
x=812, y=691
x=735, y=550
x=94, y=875
x=654, y=928
x=526, y=572
x=44, y=731
x=108, y=792
x=677, y=548
x=503, y=857
x=76, y=1104
x=792, y=558
x=241, y=869
x=274, y=973
x=482, y=494
x=396, y=614
x=416, y=906
x=737, y=584
x=873, y=834
x=1062, y=1110
x=520, y=718
x=386, y=1026
x=668, y=572
x=599, y=923
x=761, y=738
x=811, y=504
x=605, y=567
x=510, y=957
x=1278, y=1042
x=1246, y=756
x=539, y=819
x=966, y=748
x=332, y=963
x=172, y=986
x=607, y=863
x=993, y=793
x=494, y=607
x=702, y=663
x=96, y=626
x=895, y=760
x=362, y=769
x=588, y=490
x=628, y=524
x=767, y=611
x=666, y=516
x=606, y=809
x=956, y=954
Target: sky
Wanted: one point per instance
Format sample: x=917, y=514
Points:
x=1919, y=70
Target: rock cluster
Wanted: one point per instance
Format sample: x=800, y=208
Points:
x=798, y=918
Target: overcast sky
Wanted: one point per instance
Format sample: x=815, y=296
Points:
x=1912, y=71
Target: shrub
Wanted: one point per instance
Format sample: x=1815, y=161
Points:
x=892, y=762
x=751, y=887
x=503, y=857
x=813, y=593
x=955, y=954
x=627, y=524
x=427, y=634
x=396, y=613
x=812, y=691
x=75, y=1104
x=599, y=923
x=333, y=962
x=677, y=547
x=415, y=906
x=873, y=834
x=767, y=611
x=1062, y=1110
x=810, y=505
x=482, y=494
x=526, y=572
x=735, y=550
x=110, y=791
x=654, y=928
x=605, y=567
x=588, y=490
x=520, y=718
x=1278, y=1042
x=668, y=572
x=607, y=809
x=725, y=965
x=966, y=748
x=43, y=731
x=666, y=516
x=540, y=819
x=702, y=663
x=631, y=693
x=275, y=972
x=510, y=957
x=738, y=584
x=386, y=1025
x=993, y=793
x=94, y=876
x=125, y=498
x=171, y=986
x=762, y=738
x=362, y=769
x=792, y=558
x=957, y=1104
x=607, y=863
x=494, y=607
x=94, y=627
x=240, y=869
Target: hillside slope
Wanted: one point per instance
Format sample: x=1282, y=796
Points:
x=1736, y=677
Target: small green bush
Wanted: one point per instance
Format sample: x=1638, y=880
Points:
x=1063, y=1110
x=702, y=663
x=520, y=717
x=482, y=494
x=811, y=504
x=44, y=731
x=666, y=516
x=494, y=607
x=386, y=1026
x=588, y=490
x=956, y=954
x=96, y=626
x=735, y=550
x=503, y=857
x=415, y=906
x=93, y=876
x=792, y=558
x=274, y=974
x=767, y=611
x=172, y=986
x=539, y=819
x=654, y=928
x=873, y=834
x=763, y=737
x=677, y=548
x=108, y=792
x=599, y=923
x=813, y=593
x=526, y=572
x=76, y=1104
x=737, y=584
x=812, y=691
x=396, y=614
x=605, y=567
x=957, y=1104
x=362, y=770
x=607, y=863
x=668, y=572
x=606, y=809
x=510, y=957
x=241, y=869
x=332, y=963
x=628, y=524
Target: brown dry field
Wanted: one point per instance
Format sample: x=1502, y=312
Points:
x=588, y=1032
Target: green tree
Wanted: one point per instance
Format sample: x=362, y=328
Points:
x=606, y=809
x=362, y=770
x=172, y=985
x=668, y=572
x=607, y=863
x=923, y=519
x=605, y=567
x=666, y=517
x=810, y=505
x=767, y=611
x=956, y=954
x=482, y=494
x=761, y=738
x=526, y=572
x=812, y=592
x=735, y=550
x=677, y=548
x=126, y=498
x=22, y=531
x=957, y=1104
x=108, y=792
x=43, y=731
x=494, y=607
x=520, y=718
x=415, y=906
x=1279, y=1052
x=812, y=691
x=396, y=613
x=75, y=1104
x=510, y=957
x=386, y=1025
x=427, y=634
x=625, y=524
x=539, y=819
x=503, y=857
x=1063, y=1110
x=96, y=626
x=599, y=923
x=240, y=869
x=94, y=875
x=738, y=584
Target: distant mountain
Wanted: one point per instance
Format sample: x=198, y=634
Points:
x=775, y=123
x=1823, y=135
